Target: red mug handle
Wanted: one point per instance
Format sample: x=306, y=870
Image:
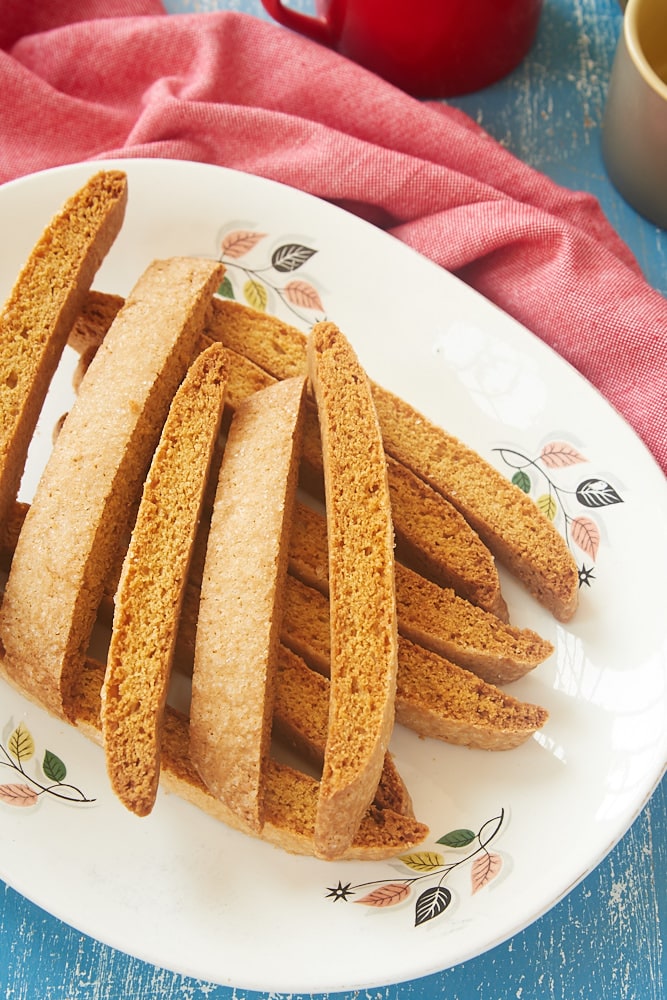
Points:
x=317, y=28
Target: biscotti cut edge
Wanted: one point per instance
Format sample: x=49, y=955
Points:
x=364, y=634
x=152, y=583
x=46, y=299
x=291, y=795
x=87, y=494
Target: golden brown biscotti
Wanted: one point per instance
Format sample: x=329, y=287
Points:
x=90, y=327
x=434, y=697
x=150, y=593
x=507, y=520
x=362, y=603
x=240, y=606
x=433, y=616
x=436, y=541
x=437, y=618
x=9, y=537
x=431, y=535
x=301, y=718
x=35, y=321
x=81, y=510
x=291, y=796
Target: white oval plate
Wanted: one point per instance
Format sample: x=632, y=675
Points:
x=182, y=891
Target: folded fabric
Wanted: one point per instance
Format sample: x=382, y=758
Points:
x=84, y=79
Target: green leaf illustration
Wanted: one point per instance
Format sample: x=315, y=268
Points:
x=53, y=767
x=522, y=480
x=457, y=838
x=225, y=288
x=21, y=743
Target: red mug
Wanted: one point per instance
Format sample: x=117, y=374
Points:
x=429, y=48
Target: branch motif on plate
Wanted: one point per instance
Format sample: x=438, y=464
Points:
x=537, y=478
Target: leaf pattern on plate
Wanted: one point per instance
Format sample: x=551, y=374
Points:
x=260, y=283
x=432, y=901
x=18, y=795
x=20, y=750
x=240, y=242
x=537, y=477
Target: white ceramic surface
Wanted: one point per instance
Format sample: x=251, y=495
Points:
x=180, y=890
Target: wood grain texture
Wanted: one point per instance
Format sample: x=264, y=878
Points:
x=606, y=939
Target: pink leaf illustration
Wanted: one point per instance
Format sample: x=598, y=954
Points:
x=386, y=895
x=558, y=454
x=240, y=242
x=585, y=533
x=18, y=795
x=484, y=870
x=301, y=293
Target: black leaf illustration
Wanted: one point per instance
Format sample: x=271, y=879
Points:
x=432, y=903
x=291, y=256
x=597, y=493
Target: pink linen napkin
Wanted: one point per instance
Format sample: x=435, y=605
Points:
x=83, y=79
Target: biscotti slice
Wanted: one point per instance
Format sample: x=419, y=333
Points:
x=241, y=599
x=448, y=703
x=436, y=698
x=434, y=539
x=152, y=581
x=437, y=618
x=361, y=589
x=291, y=796
x=432, y=615
x=505, y=518
x=36, y=319
x=85, y=498
x=430, y=533
x=301, y=718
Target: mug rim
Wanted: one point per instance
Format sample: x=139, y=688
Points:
x=630, y=30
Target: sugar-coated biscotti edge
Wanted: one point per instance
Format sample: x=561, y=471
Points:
x=291, y=796
x=241, y=598
x=152, y=583
x=515, y=530
x=80, y=515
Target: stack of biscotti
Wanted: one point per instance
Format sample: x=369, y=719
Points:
x=298, y=625
x=464, y=624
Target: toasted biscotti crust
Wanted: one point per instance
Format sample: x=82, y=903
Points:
x=152, y=582
x=433, y=616
x=291, y=796
x=361, y=589
x=434, y=697
x=506, y=520
x=301, y=718
x=241, y=598
x=81, y=510
x=439, y=542
x=36, y=319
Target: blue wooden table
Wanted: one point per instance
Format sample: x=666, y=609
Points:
x=606, y=939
